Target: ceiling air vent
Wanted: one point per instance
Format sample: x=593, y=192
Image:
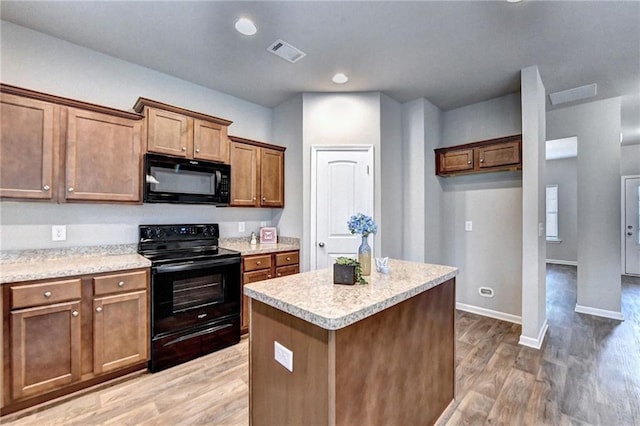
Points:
x=286, y=51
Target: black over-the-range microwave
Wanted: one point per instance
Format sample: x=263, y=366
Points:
x=183, y=181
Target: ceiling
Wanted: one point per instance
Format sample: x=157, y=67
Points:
x=452, y=53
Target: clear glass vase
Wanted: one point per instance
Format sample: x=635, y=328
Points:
x=364, y=256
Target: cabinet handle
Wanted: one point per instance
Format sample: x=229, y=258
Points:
x=184, y=148
x=121, y=284
x=279, y=274
x=254, y=198
x=288, y=258
x=482, y=160
x=469, y=162
x=70, y=189
x=47, y=294
x=74, y=313
x=268, y=275
x=197, y=150
x=264, y=198
x=99, y=309
x=258, y=262
x=46, y=187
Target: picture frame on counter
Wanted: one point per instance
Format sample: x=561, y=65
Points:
x=268, y=235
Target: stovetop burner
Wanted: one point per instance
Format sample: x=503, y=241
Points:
x=179, y=243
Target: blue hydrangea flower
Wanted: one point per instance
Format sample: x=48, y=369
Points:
x=362, y=224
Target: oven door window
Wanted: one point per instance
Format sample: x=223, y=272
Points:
x=194, y=296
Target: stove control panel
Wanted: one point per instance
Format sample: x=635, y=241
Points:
x=178, y=232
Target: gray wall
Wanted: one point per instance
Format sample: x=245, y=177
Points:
x=630, y=160
x=391, y=177
x=36, y=61
x=597, y=126
x=434, y=231
x=490, y=255
x=563, y=172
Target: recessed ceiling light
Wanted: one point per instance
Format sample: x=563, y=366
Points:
x=340, y=78
x=246, y=26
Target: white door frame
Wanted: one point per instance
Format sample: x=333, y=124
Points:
x=623, y=221
x=314, y=177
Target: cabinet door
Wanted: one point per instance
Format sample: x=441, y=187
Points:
x=169, y=133
x=27, y=141
x=120, y=331
x=456, y=161
x=287, y=270
x=271, y=178
x=210, y=141
x=103, y=158
x=499, y=155
x=244, y=175
x=45, y=348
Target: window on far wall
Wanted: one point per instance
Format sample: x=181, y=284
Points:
x=552, y=213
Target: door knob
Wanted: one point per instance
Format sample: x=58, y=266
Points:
x=321, y=244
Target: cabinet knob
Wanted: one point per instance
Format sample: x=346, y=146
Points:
x=74, y=313
x=288, y=258
x=268, y=275
x=70, y=189
x=469, y=162
x=258, y=262
x=99, y=309
x=47, y=294
x=184, y=148
x=482, y=160
x=46, y=187
x=254, y=198
x=121, y=284
x=264, y=198
x=279, y=274
x=197, y=149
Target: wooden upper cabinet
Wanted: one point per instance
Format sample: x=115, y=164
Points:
x=169, y=133
x=103, y=157
x=257, y=174
x=27, y=147
x=244, y=175
x=180, y=132
x=494, y=155
x=272, y=178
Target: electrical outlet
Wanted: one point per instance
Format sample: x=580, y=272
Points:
x=240, y=226
x=468, y=226
x=283, y=355
x=58, y=233
x=486, y=292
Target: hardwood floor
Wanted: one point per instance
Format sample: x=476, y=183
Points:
x=587, y=373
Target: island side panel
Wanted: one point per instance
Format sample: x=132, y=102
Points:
x=278, y=396
x=398, y=366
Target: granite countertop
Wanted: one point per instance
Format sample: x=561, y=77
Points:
x=313, y=297
x=28, y=265
x=245, y=248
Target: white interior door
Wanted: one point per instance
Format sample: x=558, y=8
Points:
x=342, y=185
x=631, y=225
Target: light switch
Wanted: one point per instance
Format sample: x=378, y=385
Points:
x=468, y=226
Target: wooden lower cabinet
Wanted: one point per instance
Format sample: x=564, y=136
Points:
x=62, y=335
x=263, y=267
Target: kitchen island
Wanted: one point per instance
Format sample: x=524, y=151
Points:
x=376, y=354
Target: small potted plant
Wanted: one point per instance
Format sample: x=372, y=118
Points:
x=347, y=271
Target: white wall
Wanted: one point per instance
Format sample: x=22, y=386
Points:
x=563, y=172
x=597, y=126
x=39, y=62
x=391, y=177
x=490, y=255
x=340, y=119
x=534, y=315
x=630, y=160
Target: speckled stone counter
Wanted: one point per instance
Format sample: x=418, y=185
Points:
x=28, y=265
x=246, y=249
x=313, y=297
x=382, y=353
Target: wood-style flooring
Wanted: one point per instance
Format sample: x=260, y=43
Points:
x=587, y=373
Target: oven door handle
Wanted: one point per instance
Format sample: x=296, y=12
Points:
x=191, y=265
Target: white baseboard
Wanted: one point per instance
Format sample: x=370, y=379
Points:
x=537, y=342
x=489, y=313
x=563, y=262
x=600, y=312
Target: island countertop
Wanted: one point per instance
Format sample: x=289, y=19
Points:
x=313, y=297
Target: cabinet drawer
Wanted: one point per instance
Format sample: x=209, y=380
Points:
x=289, y=258
x=253, y=263
x=45, y=293
x=287, y=270
x=252, y=277
x=118, y=283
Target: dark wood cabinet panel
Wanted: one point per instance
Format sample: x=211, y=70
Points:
x=493, y=155
x=210, y=141
x=244, y=175
x=27, y=147
x=168, y=133
x=272, y=178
